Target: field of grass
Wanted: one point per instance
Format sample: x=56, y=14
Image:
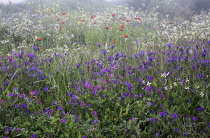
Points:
x=117, y=73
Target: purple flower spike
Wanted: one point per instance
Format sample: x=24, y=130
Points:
x=104, y=52
x=95, y=121
x=60, y=108
x=194, y=118
x=163, y=113
x=78, y=65
x=33, y=136
x=200, y=109
x=63, y=120
x=162, y=95
x=132, y=119
x=148, y=88
x=46, y=88
x=31, y=55
x=54, y=102
x=35, y=48
x=184, y=134
x=11, y=94
x=98, y=44
x=175, y=115
x=154, y=119
x=82, y=104
x=95, y=113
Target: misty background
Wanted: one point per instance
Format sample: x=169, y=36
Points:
x=13, y=1
x=171, y=8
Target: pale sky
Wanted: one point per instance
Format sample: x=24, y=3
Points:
x=13, y=1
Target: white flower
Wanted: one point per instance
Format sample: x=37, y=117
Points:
x=201, y=94
x=175, y=84
x=164, y=74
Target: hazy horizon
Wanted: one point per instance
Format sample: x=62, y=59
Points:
x=13, y=1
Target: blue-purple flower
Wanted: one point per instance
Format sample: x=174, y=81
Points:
x=164, y=113
x=185, y=134
x=46, y=88
x=33, y=136
x=174, y=116
x=154, y=119
x=95, y=121
x=35, y=48
x=63, y=120
x=200, y=109
x=95, y=113
x=31, y=55
x=194, y=118
x=60, y=108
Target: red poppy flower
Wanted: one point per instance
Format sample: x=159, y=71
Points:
x=113, y=15
x=63, y=13
x=94, y=22
x=171, y=22
x=60, y=29
x=39, y=39
x=122, y=26
x=63, y=22
x=154, y=28
x=126, y=36
x=127, y=20
x=137, y=18
x=120, y=29
x=107, y=27
x=83, y=20
x=115, y=41
x=92, y=17
x=58, y=19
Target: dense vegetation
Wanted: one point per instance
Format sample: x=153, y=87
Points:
x=115, y=72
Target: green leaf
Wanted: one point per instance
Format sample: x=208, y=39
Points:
x=87, y=115
x=139, y=103
x=55, y=120
x=17, y=135
x=208, y=86
x=127, y=109
x=121, y=109
x=26, y=123
x=79, y=136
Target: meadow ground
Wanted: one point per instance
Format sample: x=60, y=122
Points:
x=117, y=73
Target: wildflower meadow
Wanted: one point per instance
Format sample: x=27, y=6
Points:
x=113, y=73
